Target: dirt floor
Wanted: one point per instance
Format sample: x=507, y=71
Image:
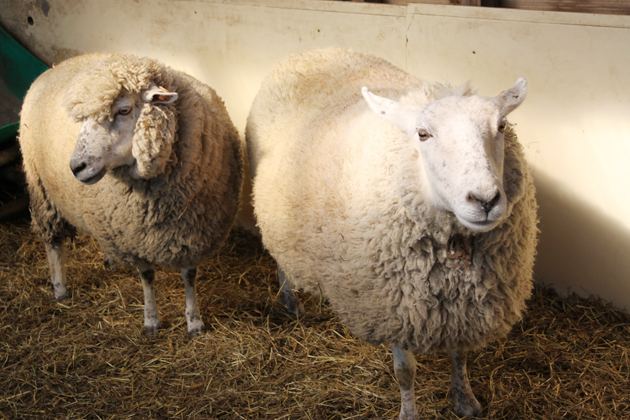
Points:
x=86, y=357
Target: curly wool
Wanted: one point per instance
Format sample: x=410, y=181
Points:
x=416, y=292
x=340, y=208
x=177, y=216
x=153, y=139
x=93, y=91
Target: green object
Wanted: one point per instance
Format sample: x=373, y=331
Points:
x=18, y=67
x=8, y=131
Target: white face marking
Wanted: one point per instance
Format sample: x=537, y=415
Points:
x=106, y=145
x=463, y=159
x=462, y=150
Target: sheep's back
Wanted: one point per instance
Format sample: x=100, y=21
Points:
x=306, y=131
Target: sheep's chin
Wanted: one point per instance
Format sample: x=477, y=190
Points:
x=94, y=178
x=479, y=227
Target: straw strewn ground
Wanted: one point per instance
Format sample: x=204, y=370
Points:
x=87, y=358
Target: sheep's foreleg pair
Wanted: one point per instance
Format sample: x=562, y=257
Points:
x=292, y=303
x=405, y=371
x=56, y=252
x=193, y=318
x=465, y=402
x=151, y=317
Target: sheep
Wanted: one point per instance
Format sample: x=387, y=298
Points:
x=142, y=157
x=407, y=204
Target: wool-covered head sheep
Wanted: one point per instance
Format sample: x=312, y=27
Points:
x=407, y=204
x=140, y=156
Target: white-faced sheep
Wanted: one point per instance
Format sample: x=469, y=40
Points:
x=158, y=159
x=413, y=212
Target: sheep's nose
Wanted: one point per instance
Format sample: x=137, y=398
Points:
x=486, y=205
x=76, y=169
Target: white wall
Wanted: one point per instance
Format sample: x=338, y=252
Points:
x=575, y=123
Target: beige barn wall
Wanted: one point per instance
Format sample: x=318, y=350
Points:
x=575, y=123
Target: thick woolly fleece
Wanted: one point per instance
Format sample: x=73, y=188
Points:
x=337, y=196
x=189, y=152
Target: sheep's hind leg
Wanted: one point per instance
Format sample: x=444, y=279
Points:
x=292, y=303
x=193, y=318
x=151, y=318
x=465, y=402
x=405, y=371
x=56, y=252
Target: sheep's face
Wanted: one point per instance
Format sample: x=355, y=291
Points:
x=104, y=145
x=462, y=150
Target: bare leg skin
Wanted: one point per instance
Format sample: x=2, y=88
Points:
x=56, y=253
x=293, y=305
x=405, y=371
x=193, y=318
x=151, y=319
x=465, y=402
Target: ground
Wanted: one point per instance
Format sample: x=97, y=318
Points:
x=86, y=357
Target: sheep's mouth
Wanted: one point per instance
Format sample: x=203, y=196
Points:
x=94, y=178
x=479, y=225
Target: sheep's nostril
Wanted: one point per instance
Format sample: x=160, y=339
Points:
x=494, y=201
x=77, y=169
x=486, y=205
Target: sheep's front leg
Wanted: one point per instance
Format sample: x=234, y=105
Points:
x=151, y=318
x=405, y=371
x=292, y=303
x=56, y=252
x=465, y=402
x=193, y=318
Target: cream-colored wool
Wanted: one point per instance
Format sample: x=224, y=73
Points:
x=341, y=203
x=188, y=154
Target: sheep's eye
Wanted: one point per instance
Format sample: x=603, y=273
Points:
x=502, y=126
x=124, y=111
x=423, y=135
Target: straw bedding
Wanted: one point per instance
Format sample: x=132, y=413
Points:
x=86, y=357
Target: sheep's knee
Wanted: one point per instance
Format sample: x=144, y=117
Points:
x=56, y=252
x=465, y=402
x=151, y=318
x=193, y=318
x=405, y=371
x=293, y=305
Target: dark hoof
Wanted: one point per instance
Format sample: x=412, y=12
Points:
x=196, y=332
x=295, y=309
x=469, y=409
x=59, y=296
x=62, y=297
x=150, y=332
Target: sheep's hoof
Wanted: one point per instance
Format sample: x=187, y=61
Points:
x=60, y=294
x=467, y=407
x=295, y=308
x=195, y=332
x=150, y=332
x=408, y=415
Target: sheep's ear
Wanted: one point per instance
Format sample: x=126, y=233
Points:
x=158, y=95
x=402, y=116
x=510, y=99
